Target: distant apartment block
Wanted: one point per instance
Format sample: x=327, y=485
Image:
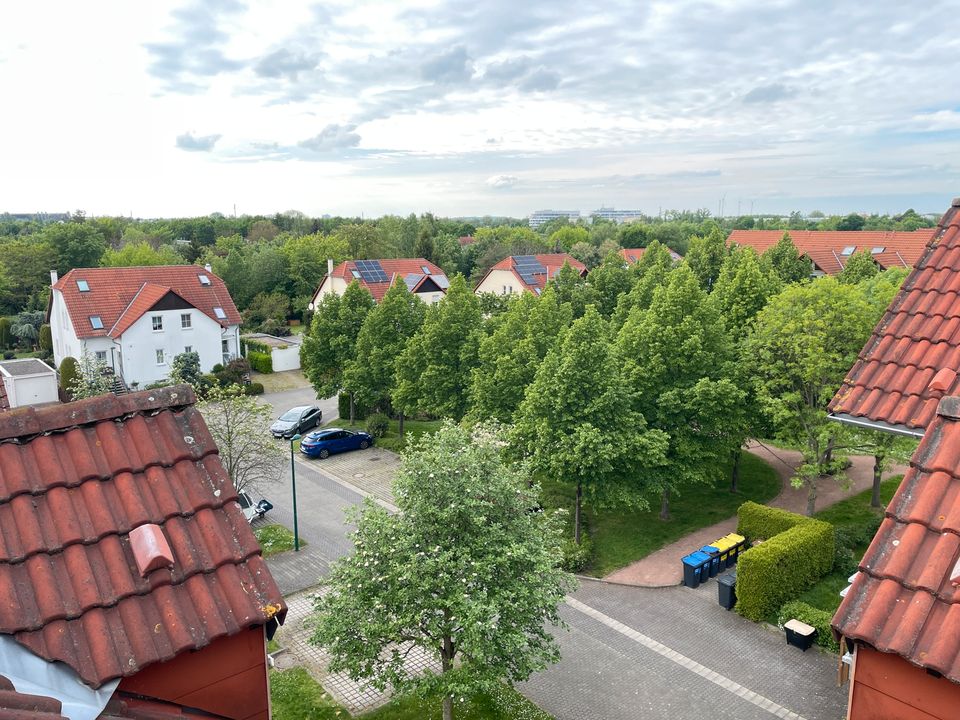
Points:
x=541, y=217
x=617, y=216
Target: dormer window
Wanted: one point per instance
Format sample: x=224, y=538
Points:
x=877, y=250
x=356, y=274
x=221, y=315
x=204, y=280
x=96, y=323
x=426, y=270
x=82, y=286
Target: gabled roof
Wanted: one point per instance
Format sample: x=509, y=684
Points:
x=552, y=263
x=913, y=356
x=633, y=255
x=393, y=268
x=903, y=601
x=826, y=247
x=75, y=480
x=128, y=291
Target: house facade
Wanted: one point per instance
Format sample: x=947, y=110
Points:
x=136, y=320
x=424, y=279
x=517, y=274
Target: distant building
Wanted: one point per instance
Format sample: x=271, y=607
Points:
x=541, y=217
x=633, y=255
x=424, y=279
x=617, y=216
x=514, y=274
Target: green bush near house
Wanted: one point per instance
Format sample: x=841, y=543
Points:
x=46, y=338
x=795, y=553
x=254, y=388
x=68, y=373
x=260, y=361
x=820, y=619
x=378, y=424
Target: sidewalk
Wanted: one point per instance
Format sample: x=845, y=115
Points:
x=662, y=568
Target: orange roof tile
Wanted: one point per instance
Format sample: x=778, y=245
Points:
x=113, y=291
x=903, y=600
x=393, y=268
x=75, y=480
x=892, y=382
x=825, y=247
x=552, y=263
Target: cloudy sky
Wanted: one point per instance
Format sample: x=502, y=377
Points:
x=468, y=108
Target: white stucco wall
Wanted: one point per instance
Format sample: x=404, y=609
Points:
x=430, y=298
x=330, y=285
x=25, y=390
x=65, y=341
x=287, y=358
x=500, y=282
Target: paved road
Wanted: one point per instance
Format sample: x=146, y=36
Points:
x=283, y=401
x=674, y=654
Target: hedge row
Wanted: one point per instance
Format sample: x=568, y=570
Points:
x=820, y=619
x=249, y=345
x=785, y=564
x=261, y=362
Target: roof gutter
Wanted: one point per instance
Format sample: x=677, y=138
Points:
x=876, y=425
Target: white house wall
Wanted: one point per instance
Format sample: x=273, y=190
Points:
x=65, y=341
x=32, y=389
x=501, y=282
x=330, y=285
x=287, y=358
x=430, y=298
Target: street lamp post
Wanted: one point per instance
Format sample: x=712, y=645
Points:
x=293, y=479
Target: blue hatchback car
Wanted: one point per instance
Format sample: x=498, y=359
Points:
x=324, y=443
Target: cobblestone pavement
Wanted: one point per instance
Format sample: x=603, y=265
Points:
x=674, y=653
x=370, y=471
x=355, y=697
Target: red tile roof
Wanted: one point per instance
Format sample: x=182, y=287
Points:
x=74, y=481
x=553, y=262
x=825, y=247
x=394, y=268
x=903, y=601
x=114, y=291
x=19, y=706
x=465, y=240
x=634, y=254
x=892, y=382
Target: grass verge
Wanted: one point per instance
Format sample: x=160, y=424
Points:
x=275, y=539
x=622, y=536
x=294, y=695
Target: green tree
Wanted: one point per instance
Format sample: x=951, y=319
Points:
x=787, y=261
x=566, y=237
x=360, y=238
x=91, y=378
x=610, y=281
x=45, y=338
x=141, y=253
x=742, y=290
x=860, y=266
x=633, y=235
x=576, y=423
x=27, y=263
x=677, y=357
x=236, y=421
x=433, y=371
x=371, y=375
x=464, y=572
x=572, y=288
x=510, y=356
x=586, y=253
x=68, y=371
x=851, y=222
x=5, y=334
x=706, y=255
x=76, y=244
x=330, y=345
x=801, y=347
x=650, y=272
x=307, y=259
x=185, y=368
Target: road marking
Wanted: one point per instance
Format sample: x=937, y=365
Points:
x=692, y=665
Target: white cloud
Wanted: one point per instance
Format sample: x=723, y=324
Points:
x=197, y=143
x=502, y=182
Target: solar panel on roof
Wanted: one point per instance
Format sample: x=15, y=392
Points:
x=371, y=271
x=441, y=281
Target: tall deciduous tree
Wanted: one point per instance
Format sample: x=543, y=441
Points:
x=610, y=281
x=706, y=255
x=510, y=355
x=330, y=345
x=433, y=372
x=799, y=351
x=676, y=358
x=77, y=244
x=577, y=425
x=464, y=572
x=742, y=290
x=859, y=266
x=572, y=288
x=141, y=253
x=650, y=272
x=371, y=375
x=787, y=261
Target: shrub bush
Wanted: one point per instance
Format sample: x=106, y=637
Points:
x=216, y=368
x=377, y=424
x=787, y=563
x=820, y=619
x=343, y=407
x=576, y=557
x=45, y=338
x=253, y=389
x=261, y=362
x=68, y=372
x=9, y=354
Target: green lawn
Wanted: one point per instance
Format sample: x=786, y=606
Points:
x=297, y=696
x=853, y=514
x=275, y=539
x=621, y=537
x=392, y=440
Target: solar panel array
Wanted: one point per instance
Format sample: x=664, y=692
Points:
x=371, y=271
x=527, y=267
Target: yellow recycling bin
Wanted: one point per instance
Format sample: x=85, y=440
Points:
x=738, y=547
x=727, y=549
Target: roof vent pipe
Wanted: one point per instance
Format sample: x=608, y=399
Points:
x=329, y=267
x=150, y=548
x=208, y=267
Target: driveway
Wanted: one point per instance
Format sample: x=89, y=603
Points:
x=286, y=399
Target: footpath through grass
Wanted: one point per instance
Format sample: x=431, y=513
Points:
x=392, y=440
x=295, y=695
x=622, y=536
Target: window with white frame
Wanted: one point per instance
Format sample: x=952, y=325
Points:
x=101, y=356
x=186, y=322
x=160, y=359
x=220, y=314
x=157, y=321
x=188, y=348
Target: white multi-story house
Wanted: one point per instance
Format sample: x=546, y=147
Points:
x=541, y=217
x=137, y=319
x=424, y=279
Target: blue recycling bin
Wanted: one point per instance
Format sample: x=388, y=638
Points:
x=696, y=569
x=713, y=553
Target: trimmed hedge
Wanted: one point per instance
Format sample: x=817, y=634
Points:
x=261, y=362
x=820, y=619
x=254, y=346
x=797, y=552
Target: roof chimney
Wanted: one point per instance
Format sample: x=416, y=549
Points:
x=150, y=548
x=208, y=267
x=54, y=277
x=329, y=267
x=956, y=202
